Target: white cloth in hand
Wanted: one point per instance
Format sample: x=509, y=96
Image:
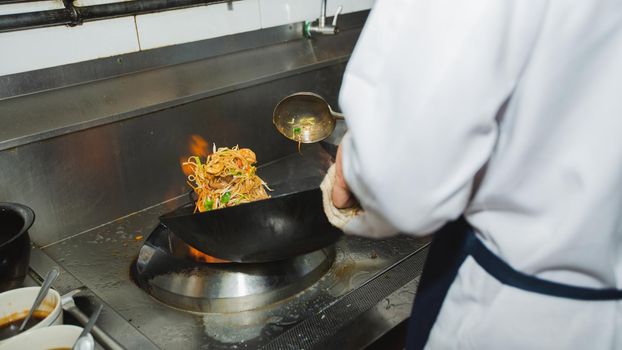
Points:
x=337, y=217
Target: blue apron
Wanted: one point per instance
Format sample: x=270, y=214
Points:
x=450, y=247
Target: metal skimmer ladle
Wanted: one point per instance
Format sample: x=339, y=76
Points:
x=305, y=117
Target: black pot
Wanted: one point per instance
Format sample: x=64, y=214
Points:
x=15, y=220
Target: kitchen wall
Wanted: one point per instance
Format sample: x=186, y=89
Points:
x=32, y=49
x=80, y=180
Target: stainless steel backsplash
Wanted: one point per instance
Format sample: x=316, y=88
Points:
x=80, y=180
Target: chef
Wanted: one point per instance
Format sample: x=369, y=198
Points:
x=497, y=126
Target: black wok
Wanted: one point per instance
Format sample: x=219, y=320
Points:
x=267, y=230
x=15, y=220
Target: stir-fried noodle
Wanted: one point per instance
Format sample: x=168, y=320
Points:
x=227, y=178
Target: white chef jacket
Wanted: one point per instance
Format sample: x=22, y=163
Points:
x=509, y=112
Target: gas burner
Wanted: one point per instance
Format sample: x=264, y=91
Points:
x=184, y=278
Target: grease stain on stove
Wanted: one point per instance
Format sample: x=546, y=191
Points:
x=218, y=327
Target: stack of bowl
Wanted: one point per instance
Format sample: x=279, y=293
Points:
x=45, y=329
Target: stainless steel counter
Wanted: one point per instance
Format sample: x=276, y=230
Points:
x=368, y=290
x=100, y=260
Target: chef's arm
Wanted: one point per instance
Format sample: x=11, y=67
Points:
x=342, y=197
x=421, y=102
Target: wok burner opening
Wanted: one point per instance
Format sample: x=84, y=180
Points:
x=170, y=271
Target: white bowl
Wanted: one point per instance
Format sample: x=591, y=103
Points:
x=16, y=303
x=53, y=337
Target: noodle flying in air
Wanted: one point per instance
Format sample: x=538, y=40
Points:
x=227, y=178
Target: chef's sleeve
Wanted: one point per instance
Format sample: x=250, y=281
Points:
x=423, y=95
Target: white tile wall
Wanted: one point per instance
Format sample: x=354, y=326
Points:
x=348, y=5
x=279, y=12
x=197, y=23
x=22, y=7
x=95, y=2
x=47, y=47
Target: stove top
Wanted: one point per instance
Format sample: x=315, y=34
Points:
x=347, y=297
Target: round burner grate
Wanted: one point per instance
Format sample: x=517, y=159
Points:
x=168, y=271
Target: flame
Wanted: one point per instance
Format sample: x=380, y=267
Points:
x=200, y=256
x=197, y=146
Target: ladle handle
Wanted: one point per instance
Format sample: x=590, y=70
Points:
x=338, y=116
x=103, y=338
x=89, y=325
x=43, y=292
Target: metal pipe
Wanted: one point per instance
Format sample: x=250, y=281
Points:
x=4, y=2
x=34, y=19
x=103, y=338
x=323, y=13
x=321, y=28
x=75, y=15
